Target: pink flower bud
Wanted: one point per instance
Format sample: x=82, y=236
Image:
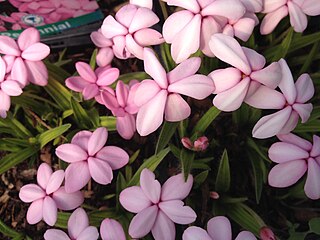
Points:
x=201, y=143
x=214, y=195
x=186, y=142
x=266, y=234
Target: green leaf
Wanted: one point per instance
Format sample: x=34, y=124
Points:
x=121, y=184
x=51, y=134
x=200, y=178
x=258, y=170
x=314, y=225
x=9, y=232
x=283, y=48
x=127, y=77
x=17, y=128
x=187, y=159
x=93, y=59
x=167, y=131
x=150, y=163
x=134, y=156
x=223, y=176
x=81, y=116
x=311, y=55
x=205, y=121
x=166, y=57
x=109, y=122
x=15, y=158
x=253, y=145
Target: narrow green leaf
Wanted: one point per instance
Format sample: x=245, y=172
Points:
x=15, y=158
x=283, y=48
x=9, y=232
x=253, y=145
x=134, y=156
x=166, y=57
x=121, y=184
x=200, y=178
x=150, y=163
x=109, y=122
x=314, y=225
x=223, y=175
x=257, y=166
x=51, y=134
x=187, y=159
x=205, y=121
x=93, y=59
x=311, y=55
x=167, y=131
x=16, y=127
x=81, y=116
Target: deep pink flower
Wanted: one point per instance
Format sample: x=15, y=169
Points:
x=48, y=196
x=89, y=158
x=111, y=229
x=161, y=96
x=219, y=228
x=105, y=53
x=157, y=208
x=292, y=103
x=23, y=58
x=266, y=234
x=200, y=144
x=190, y=29
x=296, y=156
x=298, y=11
x=121, y=103
x=130, y=31
x=248, y=71
x=78, y=228
x=92, y=83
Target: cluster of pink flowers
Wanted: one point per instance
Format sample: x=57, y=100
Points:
x=21, y=64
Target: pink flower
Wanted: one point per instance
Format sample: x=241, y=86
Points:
x=296, y=156
x=233, y=83
x=199, y=144
x=292, y=103
x=92, y=83
x=111, y=229
x=23, y=58
x=78, y=228
x=122, y=106
x=157, y=208
x=105, y=53
x=266, y=234
x=48, y=196
x=219, y=228
x=298, y=11
x=161, y=96
x=130, y=31
x=15, y=20
x=190, y=30
x=89, y=158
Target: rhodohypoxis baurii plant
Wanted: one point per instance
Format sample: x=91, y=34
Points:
x=105, y=52
x=78, y=228
x=158, y=208
x=161, y=96
x=296, y=156
x=218, y=228
x=48, y=196
x=88, y=157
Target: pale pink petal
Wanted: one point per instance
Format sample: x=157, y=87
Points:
x=145, y=92
x=296, y=140
x=8, y=46
x=71, y=153
x=19, y=71
x=143, y=18
x=147, y=36
x=111, y=229
x=99, y=40
x=28, y=37
x=185, y=69
x=108, y=76
x=253, y=5
x=78, y=221
x=196, y=86
x=229, y=50
x=36, y=52
x=90, y=233
x=133, y=47
x=81, y=139
x=311, y=7
x=269, y=76
x=209, y=26
x=219, y=228
x=37, y=72
x=191, y=5
x=2, y=69
x=187, y=41
x=122, y=92
x=231, y=9
x=304, y=111
x=175, y=23
x=142, y=223
x=134, y=200
x=142, y=3
x=287, y=174
x=126, y=127
x=245, y=235
x=195, y=233
x=44, y=173
x=256, y=60
x=176, y=188
x=114, y=156
x=176, y=108
x=244, y=28
x=305, y=88
x=272, y=5
x=177, y=212
x=34, y=213
x=150, y=115
x=119, y=48
x=5, y=104
x=109, y=100
x=271, y=20
x=104, y=56
x=315, y=151
x=76, y=83
x=298, y=19
x=258, y=99
x=228, y=30
x=298, y=2
x=291, y=123
x=11, y=88
x=163, y=227
x=312, y=185
x=55, y=181
x=225, y=79
x=31, y=192
x=100, y=170
x=86, y=72
x=74, y=170
x=232, y=98
x=272, y=124
x=67, y=201
x=54, y=234
x=111, y=28
x=50, y=211
x=97, y=140
x=281, y=152
x=153, y=67
x=150, y=186
x=126, y=14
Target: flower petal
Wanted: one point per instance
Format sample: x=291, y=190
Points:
x=72, y=181
x=19, y=71
x=209, y=26
x=31, y=192
x=191, y=5
x=90, y=233
x=100, y=170
x=245, y=235
x=28, y=37
x=37, y=72
x=298, y=19
x=243, y=28
x=143, y=18
x=176, y=108
x=8, y=46
x=78, y=221
x=311, y=7
x=97, y=140
x=219, y=228
x=296, y=140
x=36, y=52
x=133, y=47
x=108, y=76
x=271, y=20
x=100, y=40
x=134, y=200
x=177, y=212
x=195, y=233
x=281, y=152
x=163, y=227
x=44, y=173
x=54, y=234
x=256, y=60
x=176, y=188
x=145, y=92
x=315, y=151
x=114, y=156
x=86, y=72
x=76, y=83
x=34, y=213
x=81, y=139
x=147, y=36
x=111, y=229
x=111, y=28
x=55, y=181
x=142, y=3
x=150, y=186
x=304, y=111
x=185, y=69
x=50, y=211
x=269, y=76
x=312, y=185
x=225, y=79
x=69, y=152
x=67, y=201
x=305, y=88
x=230, y=9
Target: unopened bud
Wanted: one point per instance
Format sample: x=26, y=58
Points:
x=214, y=195
x=266, y=234
x=201, y=143
x=186, y=142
